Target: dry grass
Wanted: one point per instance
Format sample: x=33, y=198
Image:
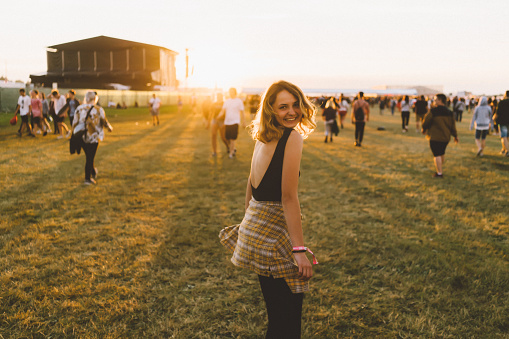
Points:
x=401, y=254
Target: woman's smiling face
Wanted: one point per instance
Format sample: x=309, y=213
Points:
x=287, y=109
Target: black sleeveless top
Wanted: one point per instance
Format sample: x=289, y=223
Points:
x=269, y=188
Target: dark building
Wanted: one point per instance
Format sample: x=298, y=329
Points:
x=101, y=61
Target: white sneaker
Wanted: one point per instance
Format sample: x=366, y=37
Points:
x=38, y=131
x=89, y=182
x=60, y=137
x=68, y=135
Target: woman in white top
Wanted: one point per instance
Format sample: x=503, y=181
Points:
x=405, y=113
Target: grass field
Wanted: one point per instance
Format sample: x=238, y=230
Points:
x=401, y=254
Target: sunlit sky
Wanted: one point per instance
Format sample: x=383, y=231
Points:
x=462, y=45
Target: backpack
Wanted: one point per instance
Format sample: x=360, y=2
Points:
x=359, y=114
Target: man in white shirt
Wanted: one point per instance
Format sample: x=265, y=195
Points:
x=24, y=108
x=233, y=110
x=154, y=104
x=59, y=101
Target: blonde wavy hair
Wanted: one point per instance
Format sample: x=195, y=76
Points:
x=265, y=126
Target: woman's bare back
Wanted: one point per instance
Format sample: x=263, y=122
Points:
x=262, y=156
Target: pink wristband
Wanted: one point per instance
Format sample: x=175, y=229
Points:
x=302, y=248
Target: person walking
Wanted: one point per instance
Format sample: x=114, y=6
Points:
x=217, y=124
x=343, y=109
x=233, y=112
x=405, y=113
x=421, y=108
x=24, y=108
x=60, y=112
x=37, y=113
x=439, y=125
x=393, y=106
x=329, y=115
x=270, y=240
x=45, y=112
x=72, y=103
x=91, y=117
x=360, y=115
x=381, y=105
x=483, y=120
x=459, y=107
x=154, y=104
x=502, y=119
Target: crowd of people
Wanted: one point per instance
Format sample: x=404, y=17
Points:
x=269, y=241
x=87, y=121
x=434, y=116
x=37, y=111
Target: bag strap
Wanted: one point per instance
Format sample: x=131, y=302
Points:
x=88, y=113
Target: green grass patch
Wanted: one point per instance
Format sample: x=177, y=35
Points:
x=401, y=254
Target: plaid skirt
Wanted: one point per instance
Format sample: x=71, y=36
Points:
x=261, y=243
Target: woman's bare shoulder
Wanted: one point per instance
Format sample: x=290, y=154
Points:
x=295, y=139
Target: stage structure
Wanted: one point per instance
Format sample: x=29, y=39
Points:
x=103, y=62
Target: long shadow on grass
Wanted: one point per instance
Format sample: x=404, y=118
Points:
x=36, y=183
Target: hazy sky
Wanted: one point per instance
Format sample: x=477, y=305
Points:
x=462, y=45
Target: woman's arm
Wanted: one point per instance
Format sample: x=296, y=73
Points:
x=290, y=200
x=248, y=192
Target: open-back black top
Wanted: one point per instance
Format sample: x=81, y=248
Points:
x=269, y=188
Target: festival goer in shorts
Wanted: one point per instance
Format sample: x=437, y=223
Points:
x=405, y=113
x=94, y=126
x=270, y=241
x=217, y=124
x=343, y=109
x=329, y=115
x=154, y=104
x=483, y=120
x=360, y=115
x=45, y=112
x=233, y=112
x=421, y=108
x=439, y=125
x=25, y=109
x=59, y=104
x=502, y=119
x=37, y=113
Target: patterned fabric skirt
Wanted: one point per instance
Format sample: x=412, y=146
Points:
x=261, y=243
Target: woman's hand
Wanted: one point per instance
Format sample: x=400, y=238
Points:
x=305, y=268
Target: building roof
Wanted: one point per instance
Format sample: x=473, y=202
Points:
x=103, y=42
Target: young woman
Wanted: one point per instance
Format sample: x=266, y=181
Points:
x=269, y=241
x=329, y=115
x=483, y=120
x=216, y=124
x=37, y=113
x=45, y=112
x=92, y=118
x=405, y=113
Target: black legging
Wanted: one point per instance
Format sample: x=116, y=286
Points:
x=90, y=151
x=405, y=118
x=359, y=131
x=284, y=308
